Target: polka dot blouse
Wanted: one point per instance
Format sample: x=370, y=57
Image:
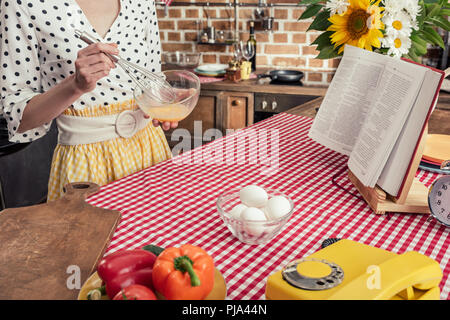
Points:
x=38, y=48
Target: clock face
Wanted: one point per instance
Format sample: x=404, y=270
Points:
x=439, y=200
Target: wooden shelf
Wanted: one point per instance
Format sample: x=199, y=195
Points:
x=215, y=43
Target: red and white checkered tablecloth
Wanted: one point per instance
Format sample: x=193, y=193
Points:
x=174, y=202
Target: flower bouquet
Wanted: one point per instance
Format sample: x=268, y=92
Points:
x=400, y=28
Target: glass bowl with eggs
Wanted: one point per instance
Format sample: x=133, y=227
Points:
x=253, y=214
x=186, y=86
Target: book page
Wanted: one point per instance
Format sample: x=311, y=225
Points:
x=397, y=165
x=348, y=100
x=401, y=82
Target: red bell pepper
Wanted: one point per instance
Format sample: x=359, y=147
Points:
x=125, y=268
x=135, y=292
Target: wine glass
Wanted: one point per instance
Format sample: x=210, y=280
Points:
x=237, y=51
x=248, y=50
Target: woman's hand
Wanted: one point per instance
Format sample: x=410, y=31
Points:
x=166, y=125
x=92, y=64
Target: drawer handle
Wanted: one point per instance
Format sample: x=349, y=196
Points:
x=236, y=103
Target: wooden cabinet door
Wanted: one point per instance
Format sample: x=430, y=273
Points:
x=439, y=122
x=215, y=110
x=237, y=110
x=205, y=111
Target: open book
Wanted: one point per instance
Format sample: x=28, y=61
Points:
x=375, y=111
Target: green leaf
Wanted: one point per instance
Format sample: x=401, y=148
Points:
x=432, y=9
x=419, y=48
x=433, y=36
x=328, y=53
x=416, y=37
x=445, y=12
x=321, y=22
x=441, y=22
x=421, y=17
x=311, y=11
x=412, y=56
x=323, y=40
x=308, y=2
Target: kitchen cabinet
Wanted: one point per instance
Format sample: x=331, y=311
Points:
x=439, y=122
x=220, y=110
x=237, y=110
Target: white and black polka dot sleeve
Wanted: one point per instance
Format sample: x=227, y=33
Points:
x=20, y=69
x=39, y=48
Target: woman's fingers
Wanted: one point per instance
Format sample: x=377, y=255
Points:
x=88, y=75
x=101, y=66
x=93, y=64
x=166, y=125
x=94, y=48
x=94, y=59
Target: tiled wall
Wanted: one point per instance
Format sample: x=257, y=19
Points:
x=286, y=47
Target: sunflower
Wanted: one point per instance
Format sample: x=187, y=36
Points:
x=359, y=26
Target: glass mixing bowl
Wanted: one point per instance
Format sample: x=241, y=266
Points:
x=187, y=88
x=180, y=60
x=251, y=232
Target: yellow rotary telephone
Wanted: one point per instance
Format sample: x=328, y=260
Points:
x=351, y=270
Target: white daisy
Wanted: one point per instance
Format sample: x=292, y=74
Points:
x=398, y=46
x=415, y=24
x=393, y=6
x=398, y=24
x=413, y=8
x=337, y=6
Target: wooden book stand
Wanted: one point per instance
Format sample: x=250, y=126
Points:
x=413, y=197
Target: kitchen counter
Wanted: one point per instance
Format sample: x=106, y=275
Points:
x=263, y=86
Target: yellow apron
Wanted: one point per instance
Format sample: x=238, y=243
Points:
x=106, y=161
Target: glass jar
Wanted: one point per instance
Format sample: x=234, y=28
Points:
x=204, y=37
x=220, y=36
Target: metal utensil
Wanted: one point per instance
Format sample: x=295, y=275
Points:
x=267, y=23
x=151, y=84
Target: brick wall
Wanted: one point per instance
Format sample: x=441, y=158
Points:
x=286, y=47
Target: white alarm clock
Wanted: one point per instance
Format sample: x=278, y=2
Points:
x=439, y=197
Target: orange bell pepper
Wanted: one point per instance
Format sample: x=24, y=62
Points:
x=185, y=273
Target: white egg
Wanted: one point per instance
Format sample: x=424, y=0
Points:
x=277, y=207
x=253, y=196
x=237, y=210
x=253, y=214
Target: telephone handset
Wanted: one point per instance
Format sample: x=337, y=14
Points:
x=352, y=270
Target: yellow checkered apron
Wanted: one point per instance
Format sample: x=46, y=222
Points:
x=106, y=161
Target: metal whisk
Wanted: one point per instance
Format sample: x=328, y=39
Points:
x=152, y=85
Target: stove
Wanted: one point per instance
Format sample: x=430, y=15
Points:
x=269, y=104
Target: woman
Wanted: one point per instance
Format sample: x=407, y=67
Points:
x=48, y=73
